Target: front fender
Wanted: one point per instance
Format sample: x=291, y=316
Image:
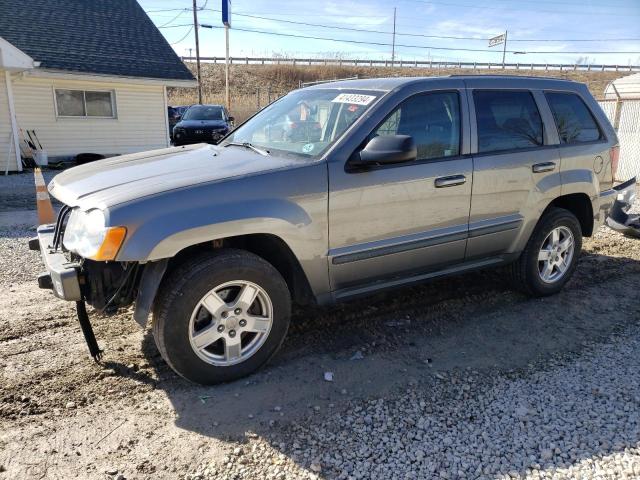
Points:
x=289, y=204
x=164, y=235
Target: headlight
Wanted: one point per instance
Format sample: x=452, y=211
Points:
x=87, y=235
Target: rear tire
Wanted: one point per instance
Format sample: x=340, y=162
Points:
x=550, y=257
x=251, y=308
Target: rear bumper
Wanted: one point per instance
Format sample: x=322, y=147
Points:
x=618, y=218
x=61, y=276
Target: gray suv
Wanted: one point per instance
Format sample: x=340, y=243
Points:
x=332, y=192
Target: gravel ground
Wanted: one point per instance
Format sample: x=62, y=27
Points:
x=461, y=378
x=19, y=264
x=566, y=418
x=18, y=189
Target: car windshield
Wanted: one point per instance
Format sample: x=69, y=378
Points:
x=305, y=122
x=203, y=112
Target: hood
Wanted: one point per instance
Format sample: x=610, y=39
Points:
x=201, y=123
x=115, y=180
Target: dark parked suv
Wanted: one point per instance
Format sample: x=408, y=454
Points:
x=333, y=192
x=202, y=123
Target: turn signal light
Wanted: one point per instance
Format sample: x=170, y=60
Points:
x=111, y=244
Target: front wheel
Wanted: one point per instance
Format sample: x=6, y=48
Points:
x=551, y=255
x=221, y=316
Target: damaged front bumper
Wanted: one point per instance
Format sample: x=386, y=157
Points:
x=107, y=286
x=62, y=275
x=619, y=218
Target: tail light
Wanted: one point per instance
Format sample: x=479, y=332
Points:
x=614, y=155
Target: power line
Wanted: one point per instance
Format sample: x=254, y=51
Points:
x=575, y=40
x=166, y=10
x=177, y=26
x=448, y=37
x=185, y=36
x=336, y=27
x=172, y=20
x=537, y=10
x=425, y=47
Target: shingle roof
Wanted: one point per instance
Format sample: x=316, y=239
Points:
x=108, y=37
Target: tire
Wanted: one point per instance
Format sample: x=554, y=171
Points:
x=527, y=272
x=179, y=316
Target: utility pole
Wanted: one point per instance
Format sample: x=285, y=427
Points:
x=504, y=49
x=227, y=96
x=226, y=21
x=195, y=27
x=393, y=43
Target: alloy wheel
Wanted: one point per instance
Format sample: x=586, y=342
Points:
x=556, y=254
x=230, y=323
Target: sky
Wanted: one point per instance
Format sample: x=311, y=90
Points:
x=538, y=31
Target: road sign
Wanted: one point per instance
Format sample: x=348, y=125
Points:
x=226, y=13
x=497, y=40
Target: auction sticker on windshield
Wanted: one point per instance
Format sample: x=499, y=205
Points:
x=354, y=98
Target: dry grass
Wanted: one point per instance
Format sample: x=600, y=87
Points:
x=253, y=85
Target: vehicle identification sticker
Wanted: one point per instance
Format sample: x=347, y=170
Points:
x=354, y=98
x=308, y=148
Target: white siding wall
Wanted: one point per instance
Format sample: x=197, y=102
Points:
x=139, y=126
x=5, y=129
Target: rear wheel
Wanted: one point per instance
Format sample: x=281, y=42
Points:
x=551, y=254
x=221, y=316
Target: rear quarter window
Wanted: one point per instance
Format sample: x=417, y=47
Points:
x=574, y=120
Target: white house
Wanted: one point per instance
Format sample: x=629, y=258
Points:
x=87, y=76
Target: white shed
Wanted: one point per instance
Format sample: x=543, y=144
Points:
x=626, y=87
x=87, y=77
x=622, y=105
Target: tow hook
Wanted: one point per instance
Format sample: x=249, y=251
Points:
x=619, y=218
x=87, y=331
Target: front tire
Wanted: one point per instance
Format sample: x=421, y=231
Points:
x=550, y=257
x=221, y=316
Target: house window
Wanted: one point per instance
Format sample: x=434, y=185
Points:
x=81, y=103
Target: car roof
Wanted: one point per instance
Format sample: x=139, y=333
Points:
x=500, y=81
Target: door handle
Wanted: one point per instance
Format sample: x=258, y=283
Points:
x=450, y=181
x=543, y=167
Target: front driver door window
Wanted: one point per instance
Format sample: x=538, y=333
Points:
x=432, y=120
x=393, y=220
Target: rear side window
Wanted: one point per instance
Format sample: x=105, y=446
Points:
x=573, y=119
x=432, y=119
x=507, y=120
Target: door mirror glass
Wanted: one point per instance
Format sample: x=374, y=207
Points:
x=231, y=119
x=385, y=149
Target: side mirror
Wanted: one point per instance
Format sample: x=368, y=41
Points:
x=387, y=149
x=178, y=118
x=231, y=119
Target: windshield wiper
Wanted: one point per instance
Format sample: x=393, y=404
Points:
x=249, y=146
